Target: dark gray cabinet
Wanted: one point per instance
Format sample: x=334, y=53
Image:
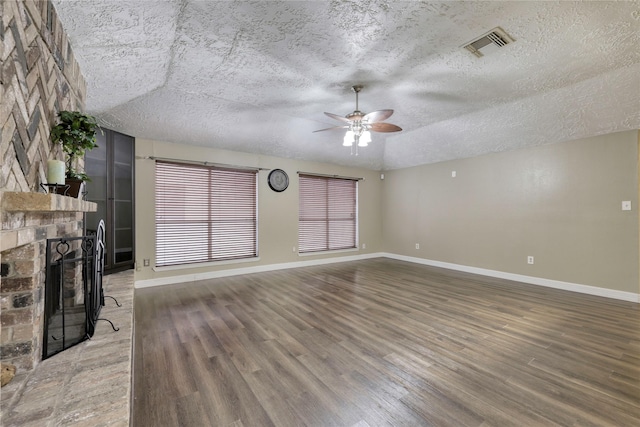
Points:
x=111, y=169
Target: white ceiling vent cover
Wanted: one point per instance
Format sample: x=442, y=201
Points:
x=488, y=43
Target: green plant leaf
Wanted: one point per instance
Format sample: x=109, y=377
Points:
x=76, y=132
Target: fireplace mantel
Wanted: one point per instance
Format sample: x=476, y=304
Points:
x=13, y=203
x=43, y=202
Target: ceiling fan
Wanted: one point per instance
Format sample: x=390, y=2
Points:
x=359, y=125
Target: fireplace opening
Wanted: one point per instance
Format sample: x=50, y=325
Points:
x=73, y=290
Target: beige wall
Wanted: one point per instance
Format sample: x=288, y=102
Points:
x=560, y=203
x=277, y=212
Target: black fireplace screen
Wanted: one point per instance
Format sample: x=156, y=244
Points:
x=73, y=291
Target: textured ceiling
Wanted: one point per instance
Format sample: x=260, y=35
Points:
x=257, y=76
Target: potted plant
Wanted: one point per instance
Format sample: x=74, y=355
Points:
x=76, y=132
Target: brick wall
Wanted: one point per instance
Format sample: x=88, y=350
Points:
x=22, y=285
x=38, y=77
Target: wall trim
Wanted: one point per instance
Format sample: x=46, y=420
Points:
x=539, y=281
x=249, y=270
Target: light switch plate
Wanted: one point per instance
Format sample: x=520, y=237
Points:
x=626, y=205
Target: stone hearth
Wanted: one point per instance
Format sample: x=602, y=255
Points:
x=86, y=385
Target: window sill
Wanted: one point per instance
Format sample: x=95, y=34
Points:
x=206, y=264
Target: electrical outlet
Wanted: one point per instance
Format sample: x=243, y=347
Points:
x=626, y=205
x=529, y=259
x=294, y=249
x=453, y=174
x=145, y=262
x=417, y=245
x=364, y=246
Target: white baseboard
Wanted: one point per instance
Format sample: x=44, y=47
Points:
x=184, y=278
x=567, y=286
x=557, y=284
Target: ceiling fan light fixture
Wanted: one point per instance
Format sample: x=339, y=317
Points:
x=364, y=139
x=349, y=138
x=360, y=125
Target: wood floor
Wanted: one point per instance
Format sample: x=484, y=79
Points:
x=382, y=343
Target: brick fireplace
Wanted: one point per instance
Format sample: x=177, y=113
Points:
x=28, y=219
x=39, y=76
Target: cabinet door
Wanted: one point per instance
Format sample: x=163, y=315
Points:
x=95, y=166
x=122, y=198
x=110, y=167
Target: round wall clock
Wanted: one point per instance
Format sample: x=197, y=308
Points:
x=278, y=180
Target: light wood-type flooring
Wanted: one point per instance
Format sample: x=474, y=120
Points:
x=382, y=343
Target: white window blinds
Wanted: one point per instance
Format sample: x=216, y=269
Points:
x=327, y=213
x=204, y=214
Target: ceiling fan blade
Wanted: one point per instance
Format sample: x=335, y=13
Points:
x=384, y=127
x=377, y=116
x=332, y=128
x=337, y=117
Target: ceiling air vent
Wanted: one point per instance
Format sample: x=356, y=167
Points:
x=488, y=43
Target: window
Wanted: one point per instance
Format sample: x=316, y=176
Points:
x=204, y=213
x=328, y=213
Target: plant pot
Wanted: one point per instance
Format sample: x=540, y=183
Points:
x=75, y=188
